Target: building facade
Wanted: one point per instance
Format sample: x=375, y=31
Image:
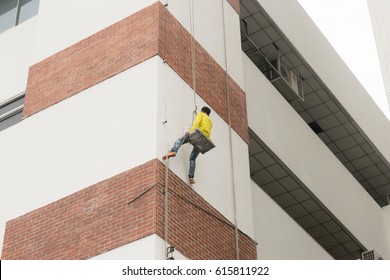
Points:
x=92, y=97
x=379, y=10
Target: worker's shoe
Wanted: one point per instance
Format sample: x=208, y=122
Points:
x=192, y=181
x=169, y=155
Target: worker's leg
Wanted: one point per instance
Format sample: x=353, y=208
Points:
x=193, y=156
x=172, y=153
x=182, y=140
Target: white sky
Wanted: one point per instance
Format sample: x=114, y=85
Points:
x=347, y=26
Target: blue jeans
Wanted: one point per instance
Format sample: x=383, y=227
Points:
x=194, y=154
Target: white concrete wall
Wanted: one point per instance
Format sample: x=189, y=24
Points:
x=317, y=51
x=386, y=219
x=379, y=13
x=114, y=126
x=109, y=128
x=58, y=25
x=16, y=48
x=212, y=175
x=64, y=23
x=279, y=237
x=151, y=247
x=289, y=137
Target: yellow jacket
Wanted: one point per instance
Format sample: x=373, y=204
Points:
x=203, y=123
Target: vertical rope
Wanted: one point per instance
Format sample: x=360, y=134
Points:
x=166, y=189
x=230, y=139
x=193, y=57
x=166, y=206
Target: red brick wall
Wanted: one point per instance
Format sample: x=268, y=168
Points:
x=92, y=60
x=197, y=229
x=235, y=4
x=152, y=31
x=89, y=222
x=99, y=218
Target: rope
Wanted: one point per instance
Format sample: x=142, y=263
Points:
x=230, y=139
x=166, y=192
x=193, y=57
x=188, y=201
x=166, y=187
x=143, y=193
x=166, y=204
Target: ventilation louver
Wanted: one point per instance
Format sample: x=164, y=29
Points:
x=371, y=255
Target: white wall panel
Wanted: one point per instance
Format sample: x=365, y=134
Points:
x=16, y=49
x=94, y=135
x=299, y=28
x=233, y=44
x=151, y=247
x=379, y=13
x=291, y=139
x=386, y=218
x=64, y=23
x=278, y=235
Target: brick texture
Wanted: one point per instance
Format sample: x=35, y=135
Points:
x=89, y=222
x=235, y=4
x=92, y=60
x=120, y=210
x=197, y=229
x=152, y=31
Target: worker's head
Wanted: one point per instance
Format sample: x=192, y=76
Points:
x=206, y=110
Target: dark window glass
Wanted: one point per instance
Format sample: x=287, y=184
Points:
x=14, y=12
x=11, y=120
x=28, y=9
x=8, y=12
x=12, y=105
x=11, y=112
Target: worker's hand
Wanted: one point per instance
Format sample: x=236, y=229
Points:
x=187, y=134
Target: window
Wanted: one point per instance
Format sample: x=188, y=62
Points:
x=11, y=111
x=14, y=12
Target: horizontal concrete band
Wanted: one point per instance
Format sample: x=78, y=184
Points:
x=147, y=33
x=120, y=210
